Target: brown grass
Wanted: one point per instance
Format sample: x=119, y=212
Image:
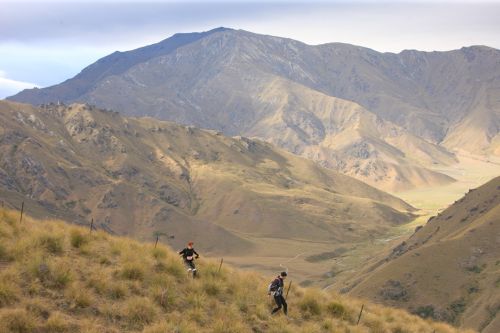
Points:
x=60, y=279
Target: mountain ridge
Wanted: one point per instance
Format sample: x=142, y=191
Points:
x=214, y=82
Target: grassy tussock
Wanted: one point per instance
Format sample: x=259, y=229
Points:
x=57, y=278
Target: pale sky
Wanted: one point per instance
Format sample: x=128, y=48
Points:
x=46, y=42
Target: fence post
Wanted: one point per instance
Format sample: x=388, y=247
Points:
x=22, y=211
x=360, y=313
x=220, y=266
x=289, y=286
x=91, y=226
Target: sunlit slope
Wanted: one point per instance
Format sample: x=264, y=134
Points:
x=60, y=278
x=142, y=176
x=450, y=268
x=344, y=136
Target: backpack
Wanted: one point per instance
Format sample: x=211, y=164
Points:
x=273, y=286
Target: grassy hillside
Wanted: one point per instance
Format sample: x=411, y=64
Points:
x=449, y=269
x=56, y=277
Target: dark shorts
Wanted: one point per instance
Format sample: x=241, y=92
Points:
x=190, y=265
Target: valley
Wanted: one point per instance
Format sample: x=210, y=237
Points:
x=333, y=270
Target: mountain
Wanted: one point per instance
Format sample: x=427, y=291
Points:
x=141, y=177
x=59, y=278
x=448, y=269
x=240, y=83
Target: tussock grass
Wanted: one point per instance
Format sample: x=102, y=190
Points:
x=58, y=278
x=78, y=238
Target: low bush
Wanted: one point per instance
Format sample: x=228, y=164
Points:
x=53, y=244
x=78, y=239
x=133, y=271
x=139, y=311
x=16, y=321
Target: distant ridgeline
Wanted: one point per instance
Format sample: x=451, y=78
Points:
x=384, y=118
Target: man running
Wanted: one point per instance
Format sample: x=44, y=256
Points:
x=276, y=289
x=189, y=254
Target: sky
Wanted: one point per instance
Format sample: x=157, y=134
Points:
x=46, y=42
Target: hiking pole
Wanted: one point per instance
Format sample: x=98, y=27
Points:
x=220, y=266
x=289, y=286
x=360, y=313
x=22, y=211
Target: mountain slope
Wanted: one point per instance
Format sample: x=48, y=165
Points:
x=218, y=80
x=113, y=64
x=449, y=269
x=59, y=278
x=142, y=176
x=344, y=136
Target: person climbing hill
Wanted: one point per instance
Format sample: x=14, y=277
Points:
x=189, y=254
x=276, y=289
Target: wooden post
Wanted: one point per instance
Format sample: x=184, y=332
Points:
x=220, y=266
x=91, y=225
x=289, y=286
x=22, y=211
x=360, y=313
x=157, y=237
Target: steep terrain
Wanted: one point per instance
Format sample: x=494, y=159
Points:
x=449, y=269
x=223, y=80
x=141, y=177
x=60, y=278
x=344, y=136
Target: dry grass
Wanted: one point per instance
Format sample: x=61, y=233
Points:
x=60, y=279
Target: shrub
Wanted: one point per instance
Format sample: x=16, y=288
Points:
x=53, y=244
x=159, y=253
x=211, y=288
x=104, y=261
x=117, y=290
x=133, y=272
x=8, y=293
x=175, y=268
x=16, y=321
x=475, y=269
x=4, y=255
x=139, y=311
x=80, y=296
x=57, y=323
x=425, y=311
x=38, y=308
x=337, y=310
x=77, y=239
x=310, y=306
x=62, y=277
x=165, y=298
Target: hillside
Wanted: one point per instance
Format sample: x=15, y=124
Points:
x=449, y=269
x=344, y=136
x=242, y=83
x=141, y=177
x=60, y=278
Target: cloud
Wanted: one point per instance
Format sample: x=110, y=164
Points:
x=9, y=87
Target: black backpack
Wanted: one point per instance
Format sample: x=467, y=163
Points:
x=273, y=286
